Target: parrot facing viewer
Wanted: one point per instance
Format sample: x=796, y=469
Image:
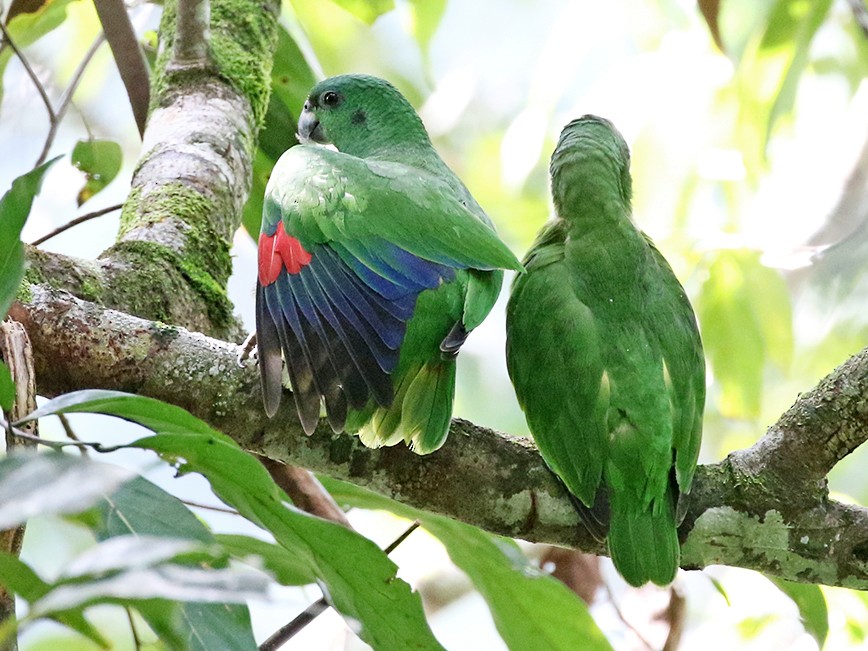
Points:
x=605, y=355
x=375, y=263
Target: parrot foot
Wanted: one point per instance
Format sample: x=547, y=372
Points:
x=247, y=350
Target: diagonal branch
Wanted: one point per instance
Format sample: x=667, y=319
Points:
x=763, y=508
x=128, y=56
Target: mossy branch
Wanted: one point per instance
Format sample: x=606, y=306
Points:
x=764, y=508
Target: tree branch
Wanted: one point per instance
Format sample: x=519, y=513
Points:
x=192, y=34
x=128, y=56
x=763, y=508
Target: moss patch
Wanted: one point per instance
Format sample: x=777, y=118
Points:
x=243, y=36
x=205, y=251
x=156, y=287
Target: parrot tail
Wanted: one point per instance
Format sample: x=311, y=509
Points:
x=427, y=406
x=644, y=544
x=420, y=413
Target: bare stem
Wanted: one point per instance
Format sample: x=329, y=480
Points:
x=66, y=98
x=76, y=222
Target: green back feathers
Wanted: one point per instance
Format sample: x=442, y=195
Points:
x=605, y=356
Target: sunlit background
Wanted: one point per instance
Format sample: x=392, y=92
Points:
x=740, y=162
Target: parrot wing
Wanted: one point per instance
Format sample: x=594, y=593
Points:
x=554, y=359
x=347, y=247
x=679, y=340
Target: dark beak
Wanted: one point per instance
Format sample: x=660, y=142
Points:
x=309, y=128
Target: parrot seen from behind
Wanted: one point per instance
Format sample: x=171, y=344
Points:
x=605, y=355
x=375, y=263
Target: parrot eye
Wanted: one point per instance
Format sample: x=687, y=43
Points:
x=330, y=98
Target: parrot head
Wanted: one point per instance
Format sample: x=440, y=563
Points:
x=359, y=115
x=590, y=143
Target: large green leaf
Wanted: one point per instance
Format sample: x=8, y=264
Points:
x=17, y=577
x=774, y=55
x=359, y=580
x=812, y=607
x=746, y=317
x=286, y=567
x=100, y=160
x=530, y=609
x=142, y=508
x=14, y=210
x=53, y=484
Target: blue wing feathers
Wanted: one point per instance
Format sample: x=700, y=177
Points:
x=350, y=300
x=341, y=320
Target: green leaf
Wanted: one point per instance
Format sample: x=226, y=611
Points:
x=720, y=589
x=17, y=577
x=746, y=317
x=359, y=579
x=100, y=160
x=142, y=508
x=130, y=552
x=426, y=19
x=51, y=484
x=775, y=53
x=7, y=387
x=30, y=22
x=166, y=581
x=285, y=566
x=812, y=607
x=530, y=609
x=366, y=10
x=791, y=28
x=14, y=210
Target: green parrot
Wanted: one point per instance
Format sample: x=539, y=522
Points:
x=605, y=356
x=375, y=263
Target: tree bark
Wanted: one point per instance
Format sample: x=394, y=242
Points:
x=765, y=508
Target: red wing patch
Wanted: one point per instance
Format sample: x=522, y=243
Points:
x=280, y=251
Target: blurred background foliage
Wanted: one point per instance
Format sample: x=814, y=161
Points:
x=747, y=123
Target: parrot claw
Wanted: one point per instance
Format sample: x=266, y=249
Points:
x=247, y=350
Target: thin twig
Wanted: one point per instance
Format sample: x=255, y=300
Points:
x=209, y=507
x=76, y=222
x=70, y=433
x=52, y=117
x=57, y=445
x=66, y=98
x=620, y=615
x=282, y=635
x=137, y=642
x=675, y=614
